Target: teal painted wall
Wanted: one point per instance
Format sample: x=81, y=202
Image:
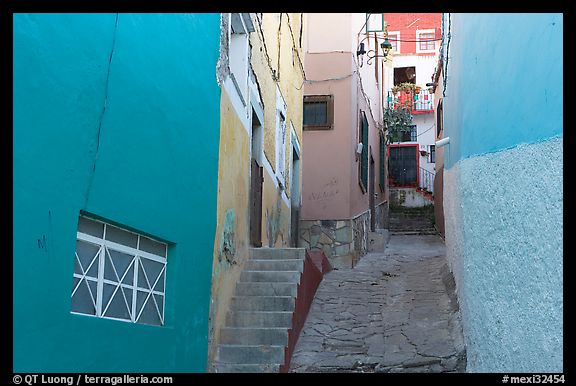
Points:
x=504, y=81
x=156, y=170
x=502, y=191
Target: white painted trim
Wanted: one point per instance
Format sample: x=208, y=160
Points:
x=120, y=247
x=294, y=140
x=241, y=110
x=425, y=31
x=258, y=108
x=397, y=36
x=268, y=168
x=280, y=143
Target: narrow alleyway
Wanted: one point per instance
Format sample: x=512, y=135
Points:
x=395, y=311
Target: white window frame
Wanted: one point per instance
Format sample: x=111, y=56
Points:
x=397, y=38
x=100, y=258
x=281, y=131
x=239, y=27
x=425, y=31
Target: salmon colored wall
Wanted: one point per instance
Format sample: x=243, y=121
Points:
x=328, y=153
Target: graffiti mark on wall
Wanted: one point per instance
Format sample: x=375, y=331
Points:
x=227, y=240
x=328, y=191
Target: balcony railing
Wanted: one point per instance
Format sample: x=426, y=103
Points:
x=427, y=180
x=418, y=103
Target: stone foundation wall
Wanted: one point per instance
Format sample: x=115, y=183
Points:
x=333, y=237
x=342, y=241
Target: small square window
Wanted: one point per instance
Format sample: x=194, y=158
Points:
x=318, y=112
x=409, y=136
x=394, y=39
x=118, y=274
x=426, y=41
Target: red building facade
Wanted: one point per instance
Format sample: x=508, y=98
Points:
x=413, y=33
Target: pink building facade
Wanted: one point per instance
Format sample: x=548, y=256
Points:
x=344, y=192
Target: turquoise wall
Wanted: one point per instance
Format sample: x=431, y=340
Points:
x=504, y=81
x=149, y=162
x=503, y=196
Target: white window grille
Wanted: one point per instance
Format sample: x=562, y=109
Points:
x=118, y=274
x=426, y=42
x=394, y=39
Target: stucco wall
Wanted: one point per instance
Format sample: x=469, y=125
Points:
x=491, y=83
x=503, y=187
x=504, y=226
x=326, y=174
x=107, y=119
x=331, y=187
x=275, y=66
x=232, y=232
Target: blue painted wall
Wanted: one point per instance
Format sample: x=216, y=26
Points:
x=502, y=191
x=504, y=81
x=152, y=166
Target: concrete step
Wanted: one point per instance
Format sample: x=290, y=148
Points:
x=245, y=354
x=275, y=265
x=254, y=336
x=422, y=232
x=278, y=253
x=270, y=276
x=408, y=228
x=262, y=303
x=266, y=289
x=243, y=368
x=259, y=319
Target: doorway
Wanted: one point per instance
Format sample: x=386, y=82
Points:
x=372, y=193
x=256, y=180
x=403, y=165
x=295, y=198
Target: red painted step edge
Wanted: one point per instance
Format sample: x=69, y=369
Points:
x=315, y=266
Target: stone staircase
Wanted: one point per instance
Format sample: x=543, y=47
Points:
x=256, y=332
x=412, y=221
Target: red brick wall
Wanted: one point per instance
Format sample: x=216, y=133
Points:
x=408, y=23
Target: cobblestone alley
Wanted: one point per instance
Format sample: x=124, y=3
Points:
x=396, y=311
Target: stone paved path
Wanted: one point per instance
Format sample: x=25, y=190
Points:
x=394, y=312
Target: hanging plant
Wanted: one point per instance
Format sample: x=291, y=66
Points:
x=406, y=86
x=396, y=122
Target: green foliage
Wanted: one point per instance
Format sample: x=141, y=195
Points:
x=397, y=121
x=407, y=86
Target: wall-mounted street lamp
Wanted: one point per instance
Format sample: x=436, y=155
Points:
x=386, y=46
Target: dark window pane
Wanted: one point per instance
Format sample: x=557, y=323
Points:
x=86, y=253
x=82, y=301
x=150, y=314
x=91, y=227
x=153, y=269
x=121, y=262
x=118, y=307
x=315, y=113
x=151, y=246
x=121, y=236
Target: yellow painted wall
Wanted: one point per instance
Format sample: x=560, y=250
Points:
x=232, y=209
x=233, y=212
x=276, y=59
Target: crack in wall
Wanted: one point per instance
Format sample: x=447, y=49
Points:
x=106, y=87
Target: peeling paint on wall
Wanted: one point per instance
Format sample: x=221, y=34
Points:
x=227, y=241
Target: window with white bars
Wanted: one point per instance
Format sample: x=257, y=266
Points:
x=118, y=274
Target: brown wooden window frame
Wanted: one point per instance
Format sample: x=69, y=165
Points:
x=329, y=99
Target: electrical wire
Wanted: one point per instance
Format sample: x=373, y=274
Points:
x=447, y=51
x=427, y=130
